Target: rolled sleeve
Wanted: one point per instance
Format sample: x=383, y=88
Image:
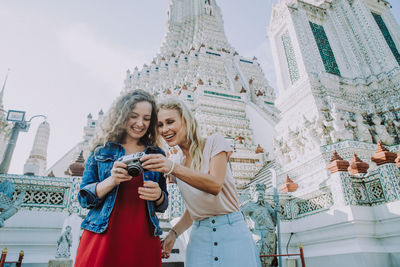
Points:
x=163, y=185
x=87, y=196
x=164, y=205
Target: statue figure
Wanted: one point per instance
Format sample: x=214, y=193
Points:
x=391, y=125
x=310, y=133
x=381, y=133
x=208, y=8
x=8, y=207
x=363, y=132
x=324, y=128
x=339, y=132
x=261, y=219
x=64, y=243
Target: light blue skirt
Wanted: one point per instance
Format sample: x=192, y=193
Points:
x=223, y=240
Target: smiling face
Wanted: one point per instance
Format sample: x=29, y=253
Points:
x=171, y=127
x=138, y=122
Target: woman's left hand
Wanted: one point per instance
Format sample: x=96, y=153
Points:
x=150, y=191
x=156, y=163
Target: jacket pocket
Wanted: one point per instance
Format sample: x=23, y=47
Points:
x=105, y=164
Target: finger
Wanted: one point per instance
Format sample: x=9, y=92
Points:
x=152, y=161
x=122, y=175
x=150, y=184
x=118, y=164
x=155, y=167
x=120, y=171
x=147, y=157
x=148, y=192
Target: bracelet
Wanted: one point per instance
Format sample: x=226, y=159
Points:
x=172, y=168
x=159, y=196
x=176, y=234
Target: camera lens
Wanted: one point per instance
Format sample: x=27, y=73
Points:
x=134, y=170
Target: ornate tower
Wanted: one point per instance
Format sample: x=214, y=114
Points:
x=36, y=163
x=338, y=75
x=5, y=127
x=228, y=93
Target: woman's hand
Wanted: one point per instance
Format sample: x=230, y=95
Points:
x=150, y=191
x=119, y=173
x=167, y=244
x=156, y=163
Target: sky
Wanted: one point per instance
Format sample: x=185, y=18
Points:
x=69, y=58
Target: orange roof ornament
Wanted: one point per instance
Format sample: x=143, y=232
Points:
x=357, y=165
x=337, y=164
x=259, y=149
x=289, y=185
x=382, y=155
x=398, y=159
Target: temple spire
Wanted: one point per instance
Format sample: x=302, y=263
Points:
x=193, y=23
x=2, y=90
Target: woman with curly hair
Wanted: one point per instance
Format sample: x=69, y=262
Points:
x=121, y=228
x=219, y=235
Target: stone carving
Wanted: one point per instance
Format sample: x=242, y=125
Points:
x=339, y=132
x=282, y=150
x=312, y=133
x=363, y=132
x=64, y=243
x=326, y=127
x=261, y=219
x=208, y=8
x=380, y=131
x=8, y=207
x=392, y=125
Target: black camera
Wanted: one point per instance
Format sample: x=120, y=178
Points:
x=134, y=166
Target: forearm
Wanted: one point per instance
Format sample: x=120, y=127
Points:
x=183, y=224
x=202, y=181
x=104, y=187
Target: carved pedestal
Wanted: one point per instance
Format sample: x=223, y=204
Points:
x=60, y=263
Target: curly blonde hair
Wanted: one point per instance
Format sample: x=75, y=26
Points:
x=112, y=128
x=192, y=130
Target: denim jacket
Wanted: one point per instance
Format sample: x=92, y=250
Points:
x=97, y=168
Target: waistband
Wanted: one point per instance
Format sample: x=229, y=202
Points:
x=220, y=219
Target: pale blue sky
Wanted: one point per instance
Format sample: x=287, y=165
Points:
x=68, y=58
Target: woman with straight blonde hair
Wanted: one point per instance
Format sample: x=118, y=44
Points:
x=219, y=233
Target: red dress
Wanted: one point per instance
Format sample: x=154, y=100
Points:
x=129, y=239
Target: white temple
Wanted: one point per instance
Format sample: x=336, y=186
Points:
x=331, y=134
x=37, y=161
x=228, y=93
x=5, y=126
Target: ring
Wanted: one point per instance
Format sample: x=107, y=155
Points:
x=115, y=170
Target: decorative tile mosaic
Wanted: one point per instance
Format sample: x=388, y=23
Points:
x=325, y=50
x=387, y=36
x=290, y=57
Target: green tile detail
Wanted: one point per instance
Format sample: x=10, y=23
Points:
x=387, y=36
x=290, y=57
x=221, y=94
x=325, y=50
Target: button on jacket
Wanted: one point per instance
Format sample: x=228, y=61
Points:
x=97, y=168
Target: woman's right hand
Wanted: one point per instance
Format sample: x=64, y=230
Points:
x=119, y=173
x=167, y=244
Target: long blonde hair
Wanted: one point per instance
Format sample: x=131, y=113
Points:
x=192, y=129
x=112, y=128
